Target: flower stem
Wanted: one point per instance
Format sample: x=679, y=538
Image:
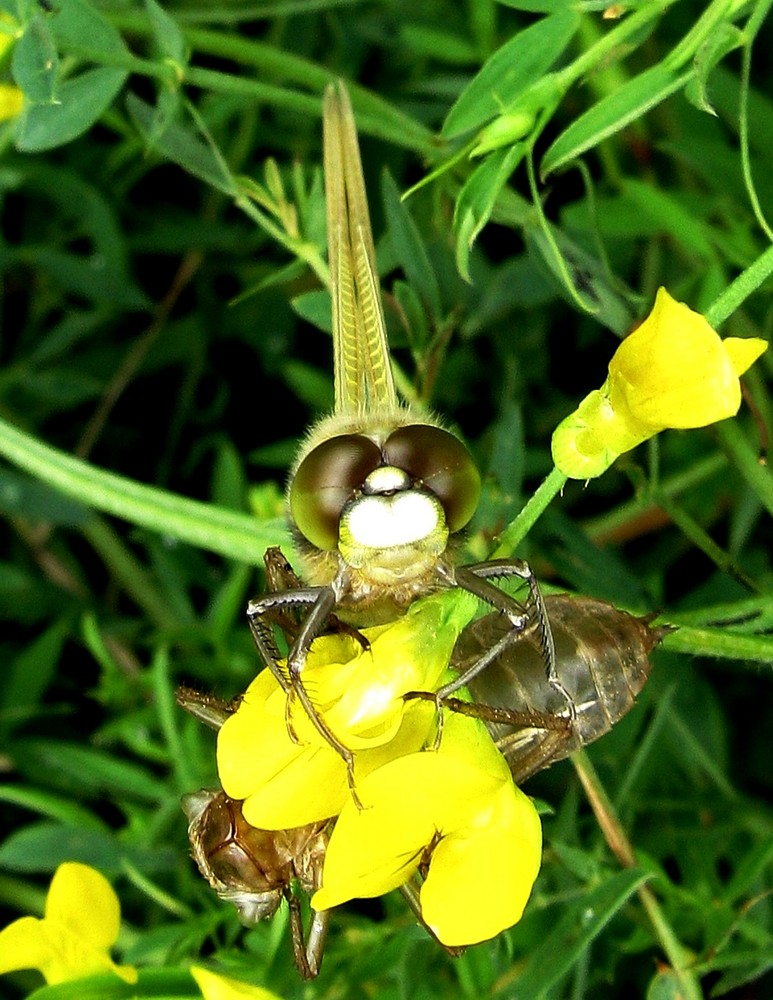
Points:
x=741, y=288
x=520, y=526
x=679, y=957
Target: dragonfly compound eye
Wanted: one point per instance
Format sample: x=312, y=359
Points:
x=325, y=480
x=442, y=463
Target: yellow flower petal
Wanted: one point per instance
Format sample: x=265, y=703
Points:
x=742, y=352
x=362, y=698
x=11, y=101
x=83, y=900
x=286, y=783
x=217, y=987
x=81, y=922
x=479, y=881
x=24, y=945
x=673, y=371
x=462, y=804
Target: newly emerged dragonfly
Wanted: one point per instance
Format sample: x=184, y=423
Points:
x=602, y=660
x=380, y=493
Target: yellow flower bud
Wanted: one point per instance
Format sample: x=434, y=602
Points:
x=673, y=371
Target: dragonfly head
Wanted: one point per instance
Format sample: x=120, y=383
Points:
x=386, y=499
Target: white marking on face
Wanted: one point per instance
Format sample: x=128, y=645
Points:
x=382, y=522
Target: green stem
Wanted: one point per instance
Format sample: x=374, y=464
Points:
x=741, y=288
x=752, y=27
x=717, y=10
x=606, y=814
x=520, y=526
x=231, y=534
x=375, y=116
x=609, y=525
x=702, y=540
x=159, y=896
x=721, y=643
x=748, y=462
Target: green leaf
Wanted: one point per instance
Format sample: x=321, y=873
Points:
x=540, y=6
x=408, y=247
x=41, y=847
x=35, y=62
x=86, y=770
x=477, y=199
x=437, y=43
x=310, y=385
x=167, y=34
x=28, y=675
x=415, y=316
x=518, y=64
x=686, y=229
x=80, y=103
x=21, y=495
x=81, y=29
x=229, y=484
x=581, y=277
x=611, y=114
x=665, y=985
x=722, y=40
x=180, y=145
x=161, y=984
x=234, y=535
x=574, y=932
x=53, y=806
x=315, y=307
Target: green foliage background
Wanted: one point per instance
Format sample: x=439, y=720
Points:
x=164, y=318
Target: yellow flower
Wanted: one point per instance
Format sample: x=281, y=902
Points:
x=457, y=808
x=673, y=371
x=81, y=923
x=216, y=987
x=11, y=101
x=287, y=783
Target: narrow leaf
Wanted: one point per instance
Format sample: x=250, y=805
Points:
x=408, y=247
x=509, y=71
x=180, y=145
x=80, y=28
x=477, y=199
x=574, y=932
x=612, y=114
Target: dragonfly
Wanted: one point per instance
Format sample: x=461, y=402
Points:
x=380, y=493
